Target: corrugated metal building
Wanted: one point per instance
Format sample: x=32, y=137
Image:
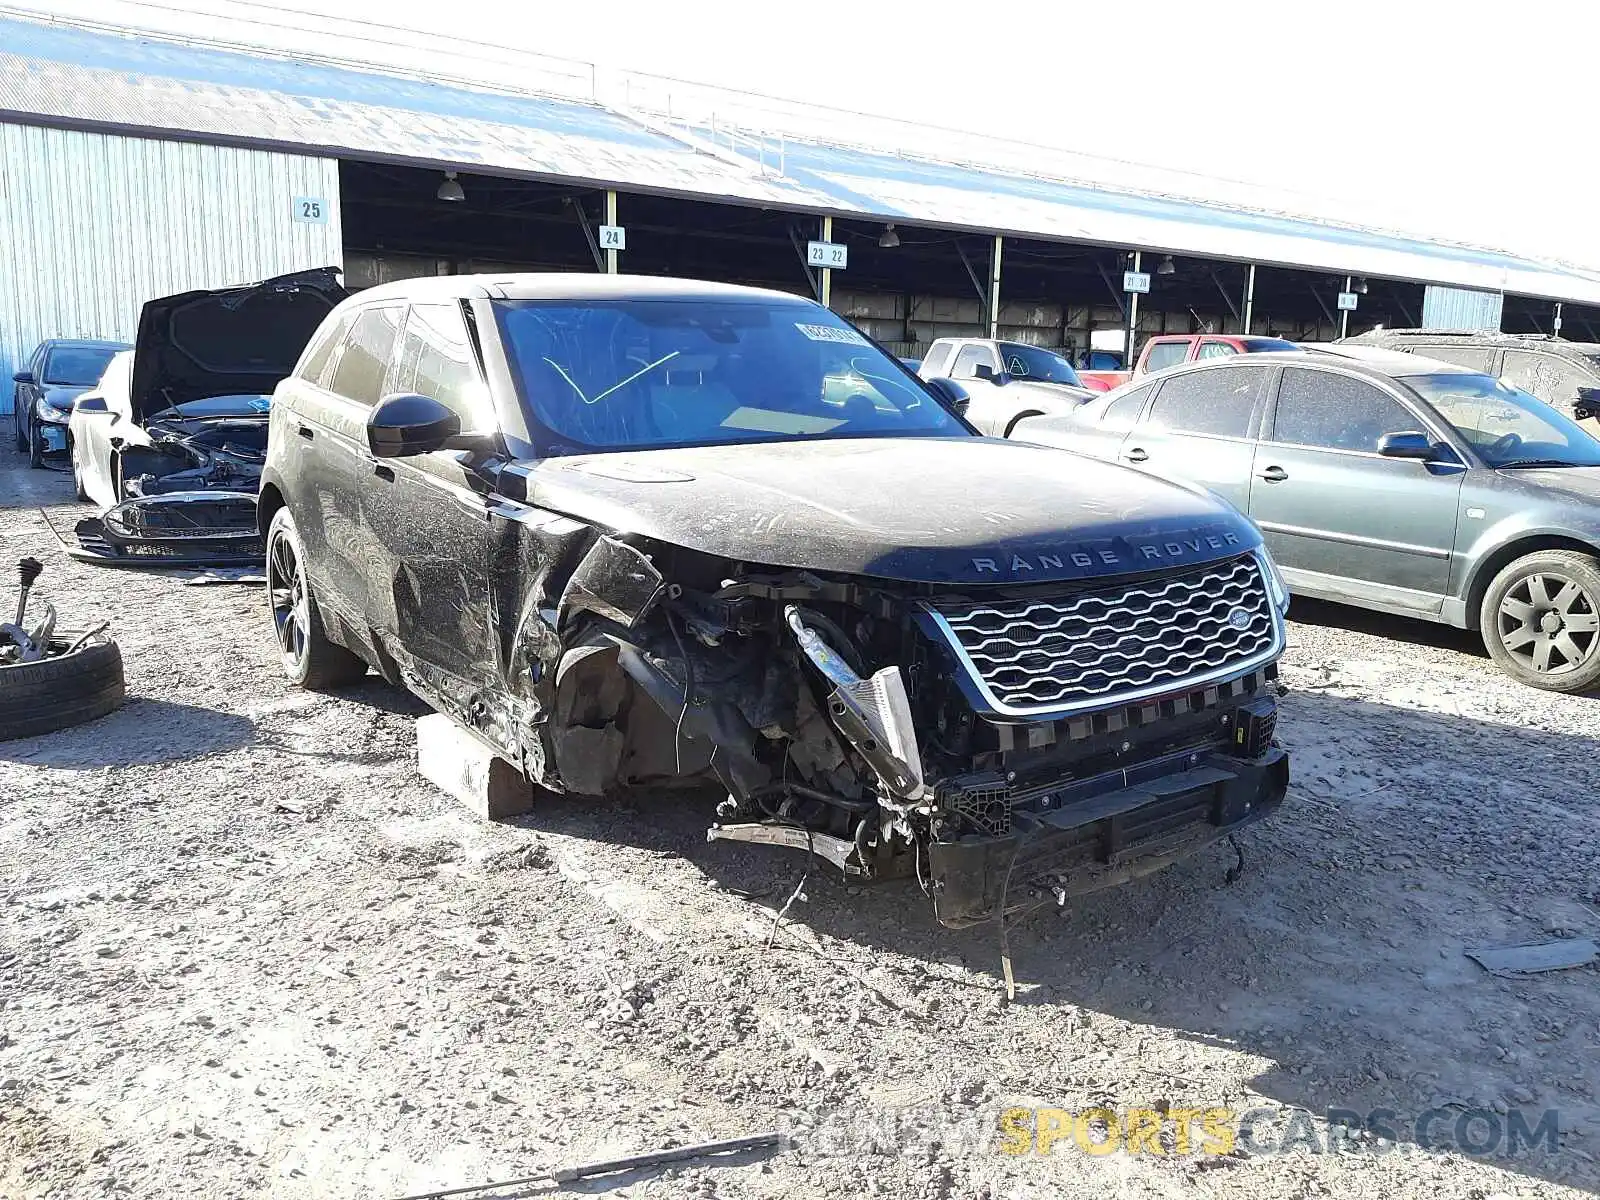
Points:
x=92, y=225
x=133, y=167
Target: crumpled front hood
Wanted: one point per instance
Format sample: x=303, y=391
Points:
x=936, y=510
x=227, y=340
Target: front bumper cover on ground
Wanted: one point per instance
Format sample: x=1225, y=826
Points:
x=1099, y=832
x=179, y=529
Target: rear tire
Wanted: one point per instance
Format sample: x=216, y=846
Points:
x=53, y=693
x=1540, y=620
x=308, y=658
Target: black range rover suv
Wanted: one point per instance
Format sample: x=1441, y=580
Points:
x=640, y=531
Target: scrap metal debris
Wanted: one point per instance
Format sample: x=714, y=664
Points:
x=633, y=1162
x=1530, y=958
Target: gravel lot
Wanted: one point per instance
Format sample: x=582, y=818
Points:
x=245, y=950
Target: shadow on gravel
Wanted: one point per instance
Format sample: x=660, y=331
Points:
x=1337, y=957
x=1326, y=614
x=141, y=731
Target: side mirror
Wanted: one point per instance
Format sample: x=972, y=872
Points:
x=1409, y=444
x=90, y=404
x=405, y=423
x=951, y=394
x=23, y=377
x=986, y=372
x=1587, y=405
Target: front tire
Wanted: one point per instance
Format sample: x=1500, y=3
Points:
x=1540, y=620
x=77, y=472
x=35, y=444
x=309, y=659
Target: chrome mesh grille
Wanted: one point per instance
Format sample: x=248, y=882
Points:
x=1103, y=644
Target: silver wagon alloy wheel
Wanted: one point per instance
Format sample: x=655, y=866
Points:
x=1549, y=623
x=291, y=608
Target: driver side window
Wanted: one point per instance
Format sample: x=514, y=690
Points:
x=969, y=359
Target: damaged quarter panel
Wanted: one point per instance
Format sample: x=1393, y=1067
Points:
x=639, y=532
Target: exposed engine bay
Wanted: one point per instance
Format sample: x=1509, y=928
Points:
x=192, y=453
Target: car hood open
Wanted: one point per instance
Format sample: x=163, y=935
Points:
x=227, y=340
x=934, y=510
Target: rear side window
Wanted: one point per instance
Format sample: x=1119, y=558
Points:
x=937, y=362
x=364, y=361
x=322, y=344
x=1474, y=358
x=1551, y=379
x=1217, y=403
x=435, y=359
x=1165, y=354
x=1122, y=412
x=1336, y=412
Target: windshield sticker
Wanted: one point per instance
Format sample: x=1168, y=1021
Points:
x=260, y=403
x=831, y=333
x=766, y=420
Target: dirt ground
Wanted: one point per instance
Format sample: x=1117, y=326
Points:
x=245, y=950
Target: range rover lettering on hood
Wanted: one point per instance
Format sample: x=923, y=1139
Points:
x=1118, y=554
x=958, y=510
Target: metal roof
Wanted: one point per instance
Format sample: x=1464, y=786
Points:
x=65, y=75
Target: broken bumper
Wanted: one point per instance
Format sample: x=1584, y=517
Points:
x=1094, y=833
x=179, y=529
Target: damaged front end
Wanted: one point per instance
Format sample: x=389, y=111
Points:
x=1005, y=746
x=189, y=498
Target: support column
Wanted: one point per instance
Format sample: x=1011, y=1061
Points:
x=1249, y=297
x=994, y=287
x=1344, y=313
x=825, y=292
x=611, y=219
x=1133, y=318
x=1557, y=323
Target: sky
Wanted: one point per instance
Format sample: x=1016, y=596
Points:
x=1454, y=120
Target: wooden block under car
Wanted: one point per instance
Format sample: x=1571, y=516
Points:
x=459, y=764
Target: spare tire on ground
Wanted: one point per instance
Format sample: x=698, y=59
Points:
x=61, y=689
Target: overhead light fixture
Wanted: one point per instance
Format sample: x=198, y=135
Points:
x=1167, y=266
x=450, y=189
x=1361, y=286
x=889, y=239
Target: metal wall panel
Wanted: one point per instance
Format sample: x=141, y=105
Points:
x=92, y=225
x=1459, y=308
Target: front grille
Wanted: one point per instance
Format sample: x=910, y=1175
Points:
x=1115, y=642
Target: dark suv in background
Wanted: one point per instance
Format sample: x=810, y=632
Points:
x=1556, y=371
x=642, y=531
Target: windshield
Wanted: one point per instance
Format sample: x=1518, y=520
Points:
x=249, y=404
x=77, y=366
x=631, y=374
x=1034, y=362
x=1507, y=427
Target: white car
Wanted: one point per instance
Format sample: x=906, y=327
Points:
x=169, y=444
x=89, y=430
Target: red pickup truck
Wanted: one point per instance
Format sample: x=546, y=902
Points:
x=1168, y=351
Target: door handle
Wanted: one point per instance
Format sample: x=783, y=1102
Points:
x=305, y=431
x=1137, y=454
x=1274, y=474
x=383, y=471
